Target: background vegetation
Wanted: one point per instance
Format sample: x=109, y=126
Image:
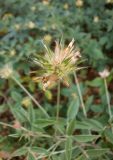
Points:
x=25, y=131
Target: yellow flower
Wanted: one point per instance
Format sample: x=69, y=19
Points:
x=109, y=1
x=48, y=38
x=96, y=19
x=45, y=2
x=7, y=16
x=31, y=25
x=6, y=71
x=12, y=52
x=17, y=27
x=26, y=102
x=33, y=8
x=56, y=65
x=66, y=6
x=79, y=3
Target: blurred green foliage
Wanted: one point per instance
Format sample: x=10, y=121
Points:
x=23, y=25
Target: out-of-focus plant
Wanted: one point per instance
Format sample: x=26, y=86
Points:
x=29, y=127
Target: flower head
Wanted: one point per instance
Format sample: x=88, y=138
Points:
x=105, y=73
x=6, y=71
x=96, y=19
x=58, y=64
x=79, y=3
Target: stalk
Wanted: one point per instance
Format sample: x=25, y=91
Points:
x=108, y=99
x=31, y=97
x=58, y=101
x=80, y=95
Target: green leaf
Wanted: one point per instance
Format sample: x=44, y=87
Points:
x=81, y=125
x=31, y=156
x=48, y=122
x=71, y=127
x=89, y=102
x=97, y=108
x=2, y=108
x=16, y=96
x=31, y=113
x=20, y=152
x=73, y=109
x=97, y=82
x=68, y=148
x=98, y=54
x=44, y=122
x=94, y=124
x=19, y=113
x=89, y=124
x=39, y=150
x=48, y=94
x=85, y=138
x=93, y=153
x=109, y=136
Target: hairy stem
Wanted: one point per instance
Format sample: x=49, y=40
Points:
x=80, y=95
x=58, y=101
x=108, y=99
x=30, y=96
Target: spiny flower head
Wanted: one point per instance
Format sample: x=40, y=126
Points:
x=56, y=65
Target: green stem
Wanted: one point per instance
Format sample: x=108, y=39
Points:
x=31, y=97
x=80, y=95
x=108, y=99
x=58, y=101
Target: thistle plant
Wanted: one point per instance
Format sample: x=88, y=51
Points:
x=56, y=65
